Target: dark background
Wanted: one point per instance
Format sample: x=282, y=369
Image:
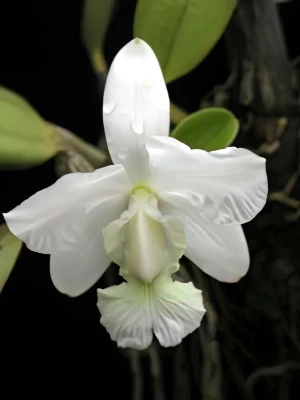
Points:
x=50, y=344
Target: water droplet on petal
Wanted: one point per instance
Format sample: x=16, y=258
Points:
x=123, y=153
x=196, y=200
x=108, y=107
x=122, y=156
x=137, y=127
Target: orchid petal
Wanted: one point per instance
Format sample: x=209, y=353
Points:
x=136, y=106
x=177, y=310
x=220, y=251
x=55, y=218
x=75, y=270
x=131, y=310
x=125, y=315
x=224, y=187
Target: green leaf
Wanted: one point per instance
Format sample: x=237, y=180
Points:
x=25, y=138
x=181, y=32
x=10, y=247
x=96, y=17
x=209, y=129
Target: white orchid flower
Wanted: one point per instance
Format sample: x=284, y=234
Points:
x=159, y=201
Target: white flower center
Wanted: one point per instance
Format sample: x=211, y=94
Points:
x=143, y=242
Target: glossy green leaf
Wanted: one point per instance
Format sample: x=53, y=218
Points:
x=25, y=138
x=209, y=129
x=181, y=32
x=10, y=247
x=96, y=17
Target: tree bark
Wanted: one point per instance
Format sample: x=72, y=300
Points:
x=259, y=317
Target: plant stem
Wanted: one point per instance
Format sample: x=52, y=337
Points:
x=69, y=141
